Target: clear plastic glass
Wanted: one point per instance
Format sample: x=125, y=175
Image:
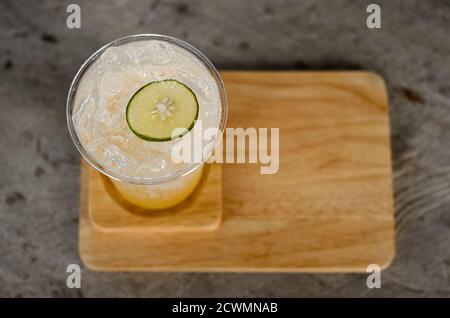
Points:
x=161, y=191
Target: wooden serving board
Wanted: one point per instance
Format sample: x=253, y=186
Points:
x=328, y=209
x=108, y=211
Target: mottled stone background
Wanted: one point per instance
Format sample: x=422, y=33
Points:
x=39, y=171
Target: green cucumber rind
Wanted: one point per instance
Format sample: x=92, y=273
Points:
x=147, y=138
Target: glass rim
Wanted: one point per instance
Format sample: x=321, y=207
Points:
x=127, y=39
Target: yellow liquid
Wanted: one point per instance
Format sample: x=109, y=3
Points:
x=160, y=196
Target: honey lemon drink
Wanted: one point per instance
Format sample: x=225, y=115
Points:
x=124, y=105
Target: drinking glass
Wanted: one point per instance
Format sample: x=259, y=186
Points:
x=147, y=191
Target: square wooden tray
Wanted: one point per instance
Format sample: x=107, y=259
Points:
x=109, y=212
x=328, y=209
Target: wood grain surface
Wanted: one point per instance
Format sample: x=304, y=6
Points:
x=328, y=209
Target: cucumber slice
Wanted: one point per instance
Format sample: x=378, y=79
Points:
x=158, y=108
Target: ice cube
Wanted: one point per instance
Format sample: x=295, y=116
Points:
x=157, y=75
x=111, y=83
x=121, y=138
x=104, y=117
x=155, y=53
x=116, y=158
x=114, y=59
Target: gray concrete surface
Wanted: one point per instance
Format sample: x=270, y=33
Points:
x=39, y=166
